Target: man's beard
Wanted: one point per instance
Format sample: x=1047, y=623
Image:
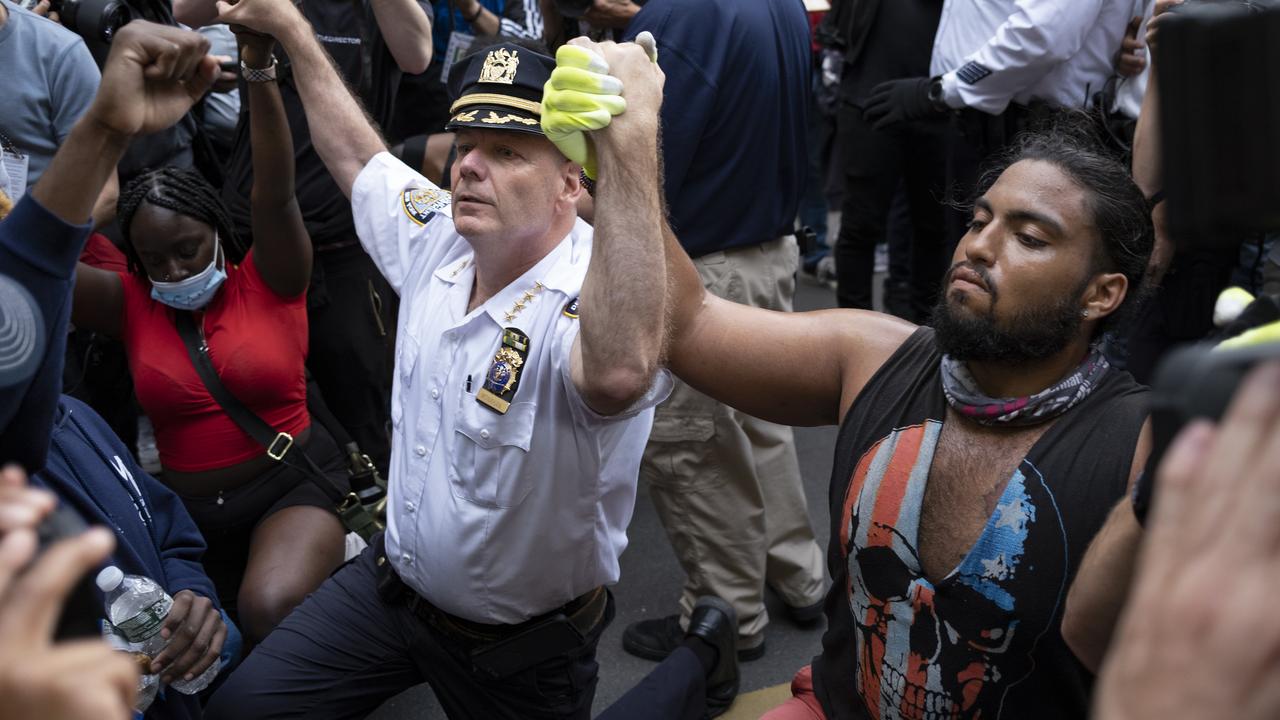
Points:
x=1031, y=334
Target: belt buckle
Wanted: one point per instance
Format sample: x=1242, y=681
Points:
x=283, y=439
x=350, y=502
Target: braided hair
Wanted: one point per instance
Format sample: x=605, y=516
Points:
x=184, y=191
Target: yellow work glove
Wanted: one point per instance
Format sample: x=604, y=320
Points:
x=581, y=96
x=1261, y=335
x=1231, y=302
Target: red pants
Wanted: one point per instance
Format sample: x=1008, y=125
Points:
x=803, y=704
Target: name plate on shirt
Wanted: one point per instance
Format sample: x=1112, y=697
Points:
x=503, y=378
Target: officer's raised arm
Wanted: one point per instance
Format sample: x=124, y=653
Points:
x=620, y=344
x=342, y=133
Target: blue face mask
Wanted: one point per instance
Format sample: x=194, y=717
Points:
x=196, y=291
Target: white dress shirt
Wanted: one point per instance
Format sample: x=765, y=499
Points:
x=493, y=517
x=993, y=52
x=1130, y=93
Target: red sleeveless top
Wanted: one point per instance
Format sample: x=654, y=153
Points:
x=258, y=343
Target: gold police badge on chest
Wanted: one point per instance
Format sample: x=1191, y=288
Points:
x=503, y=378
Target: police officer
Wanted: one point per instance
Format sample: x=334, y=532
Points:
x=526, y=373
x=994, y=62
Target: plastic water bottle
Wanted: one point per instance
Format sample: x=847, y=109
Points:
x=148, y=683
x=199, y=682
x=137, y=608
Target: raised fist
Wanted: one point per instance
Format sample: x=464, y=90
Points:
x=152, y=77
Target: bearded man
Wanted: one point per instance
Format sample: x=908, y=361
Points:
x=976, y=459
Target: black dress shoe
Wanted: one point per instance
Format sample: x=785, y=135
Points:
x=655, y=639
x=807, y=615
x=714, y=622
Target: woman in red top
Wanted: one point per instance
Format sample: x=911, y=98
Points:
x=273, y=535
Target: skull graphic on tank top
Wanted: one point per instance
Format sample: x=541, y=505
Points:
x=950, y=650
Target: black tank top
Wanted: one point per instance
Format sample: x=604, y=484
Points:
x=985, y=642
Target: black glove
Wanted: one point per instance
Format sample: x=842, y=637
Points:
x=898, y=101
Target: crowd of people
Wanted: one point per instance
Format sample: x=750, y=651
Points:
x=516, y=257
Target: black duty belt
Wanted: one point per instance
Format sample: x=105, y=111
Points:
x=501, y=650
x=583, y=613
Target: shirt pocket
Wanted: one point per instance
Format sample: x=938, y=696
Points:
x=487, y=465
x=406, y=360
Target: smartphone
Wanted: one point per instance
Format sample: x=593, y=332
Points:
x=82, y=611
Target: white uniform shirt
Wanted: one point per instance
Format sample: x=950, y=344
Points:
x=492, y=517
x=1130, y=93
x=993, y=52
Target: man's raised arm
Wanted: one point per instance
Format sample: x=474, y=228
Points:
x=342, y=133
x=790, y=368
x=152, y=77
x=620, y=344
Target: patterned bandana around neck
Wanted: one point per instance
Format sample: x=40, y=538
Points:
x=967, y=399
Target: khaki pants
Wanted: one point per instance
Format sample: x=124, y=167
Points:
x=727, y=485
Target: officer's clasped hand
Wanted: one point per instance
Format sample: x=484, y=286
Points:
x=582, y=96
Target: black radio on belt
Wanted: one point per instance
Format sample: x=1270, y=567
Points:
x=553, y=636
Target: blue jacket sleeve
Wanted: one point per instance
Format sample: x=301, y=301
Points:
x=38, y=250
x=179, y=541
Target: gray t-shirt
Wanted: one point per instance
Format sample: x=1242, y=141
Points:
x=47, y=80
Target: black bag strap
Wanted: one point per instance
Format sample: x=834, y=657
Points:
x=321, y=413
x=366, y=481
x=278, y=444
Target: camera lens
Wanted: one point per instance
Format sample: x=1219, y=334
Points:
x=114, y=18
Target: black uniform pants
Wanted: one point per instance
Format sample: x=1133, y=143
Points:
x=973, y=139
x=876, y=164
x=345, y=650
x=352, y=313
x=674, y=690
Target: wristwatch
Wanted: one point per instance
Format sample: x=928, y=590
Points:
x=267, y=74
x=935, y=95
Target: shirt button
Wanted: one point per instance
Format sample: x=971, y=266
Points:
x=410, y=507
x=407, y=558
x=484, y=434
x=420, y=450
x=434, y=393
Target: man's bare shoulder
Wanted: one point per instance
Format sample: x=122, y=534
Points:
x=868, y=339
